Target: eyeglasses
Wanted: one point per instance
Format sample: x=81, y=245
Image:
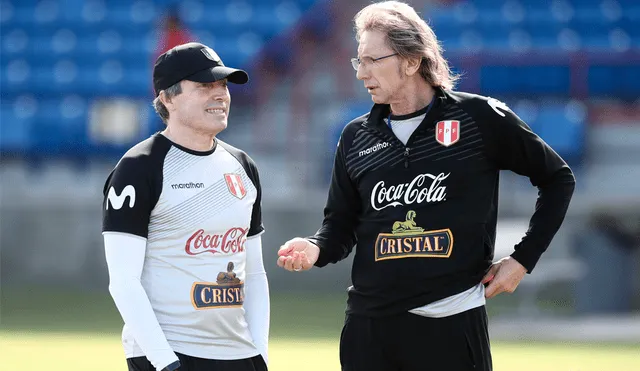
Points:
x=367, y=61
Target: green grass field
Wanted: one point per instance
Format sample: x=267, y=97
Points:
x=60, y=331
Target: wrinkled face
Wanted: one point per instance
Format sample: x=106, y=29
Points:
x=382, y=78
x=202, y=106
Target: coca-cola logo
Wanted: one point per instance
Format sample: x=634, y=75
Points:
x=418, y=190
x=230, y=242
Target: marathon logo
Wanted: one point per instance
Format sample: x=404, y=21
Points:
x=227, y=292
x=189, y=185
x=406, y=240
x=373, y=148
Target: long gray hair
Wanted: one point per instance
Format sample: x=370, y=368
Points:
x=409, y=36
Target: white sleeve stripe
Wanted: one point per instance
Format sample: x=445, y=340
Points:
x=255, y=263
x=255, y=235
x=105, y=233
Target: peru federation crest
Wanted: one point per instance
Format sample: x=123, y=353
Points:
x=235, y=185
x=447, y=132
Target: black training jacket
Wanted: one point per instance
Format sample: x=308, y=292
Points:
x=423, y=216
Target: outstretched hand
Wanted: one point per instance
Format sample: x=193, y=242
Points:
x=298, y=254
x=503, y=276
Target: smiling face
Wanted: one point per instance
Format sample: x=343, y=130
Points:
x=382, y=78
x=202, y=107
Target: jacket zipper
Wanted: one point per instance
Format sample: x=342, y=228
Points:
x=406, y=157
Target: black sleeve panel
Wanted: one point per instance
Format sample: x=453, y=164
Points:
x=133, y=188
x=512, y=145
x=337, y=236
x=251, y=169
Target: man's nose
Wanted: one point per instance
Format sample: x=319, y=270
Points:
x=219, y=93
x=361, y=72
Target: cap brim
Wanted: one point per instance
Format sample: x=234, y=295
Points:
x=214, y=74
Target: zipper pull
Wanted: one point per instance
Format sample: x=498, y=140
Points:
x=406, y=158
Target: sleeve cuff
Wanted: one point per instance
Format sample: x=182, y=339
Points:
x=172, y=367
x=527, y=257
x=323, y=257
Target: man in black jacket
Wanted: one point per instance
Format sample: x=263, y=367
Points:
x=415, y=189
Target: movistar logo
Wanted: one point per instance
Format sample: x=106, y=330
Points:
x=117, y=200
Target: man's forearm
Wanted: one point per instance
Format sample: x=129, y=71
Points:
x=256, y=296
x=337, y=236
x=257, y=307
x=335, y=239
x=125, y=256
x=134, y=307
x=551, y=208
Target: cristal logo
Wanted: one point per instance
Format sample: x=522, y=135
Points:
x=415, y=191
x=232, y=241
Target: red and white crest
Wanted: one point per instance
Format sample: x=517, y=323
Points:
x=447, y=132
x=235, y=185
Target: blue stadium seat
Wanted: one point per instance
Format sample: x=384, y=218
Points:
x=233, y=52
x=496, y=36
x=491, y=16
x=563, y=127
x=270, y=21
x=591, y=26
x=614, y=81
x=15, y=130
x=15, y=42
x=631, y=27
x=19, y=16
x=539, y=15
x=440, y=20
x=16, y=76
x=588, y=14
x=143, y=12
x=65, y=128
x=545, y=37
x=525, y=80
x=446, y=33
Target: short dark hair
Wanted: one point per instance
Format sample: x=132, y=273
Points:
x=169, y=92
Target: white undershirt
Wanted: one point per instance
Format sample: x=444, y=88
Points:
x=404, y=128
x=256, y=300
x=458, y=303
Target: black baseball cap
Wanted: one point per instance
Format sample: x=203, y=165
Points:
x=194, y=62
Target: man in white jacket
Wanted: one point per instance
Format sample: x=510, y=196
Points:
x=182, y=224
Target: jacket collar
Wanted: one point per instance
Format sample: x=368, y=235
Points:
x=381, y=111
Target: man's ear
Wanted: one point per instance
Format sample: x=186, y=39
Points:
x=412, y=65
x=166, y=101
